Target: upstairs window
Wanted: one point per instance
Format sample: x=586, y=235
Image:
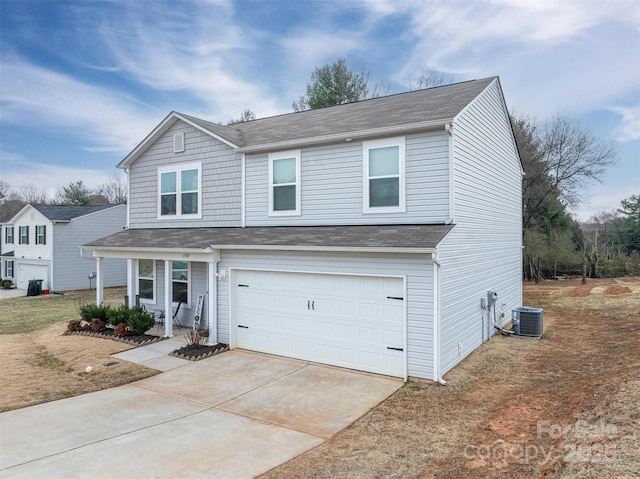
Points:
x=284, y=183
x=24, y=235
x=180, y=191
x=41, y=234
x=384, y=176
x=8, y=235
x=146, y=279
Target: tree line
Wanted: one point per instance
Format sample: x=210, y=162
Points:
x=111, y=192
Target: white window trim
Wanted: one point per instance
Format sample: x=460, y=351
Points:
x=280, y=155
x=44, y=234
x=188, y=282
x=6, y=267
x=26, y=230
x=178, y=169
x=400, y=142
x=6, y=236
x=153, y=278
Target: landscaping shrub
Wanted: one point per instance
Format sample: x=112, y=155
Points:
x=121, y=330
x=98, y=325
x=91, y=310
x=195, y=339
x=74, y=325
x=118, y=315
x=139, y=320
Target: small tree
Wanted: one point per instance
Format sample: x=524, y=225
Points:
x=75, y=194
x=429, y=78
x=246, y=115
x=333, y=85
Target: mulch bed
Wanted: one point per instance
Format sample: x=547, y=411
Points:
x=135, y=340
x=194, y=353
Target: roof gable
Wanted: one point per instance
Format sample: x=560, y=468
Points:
x=389, y=114
x=61, y=213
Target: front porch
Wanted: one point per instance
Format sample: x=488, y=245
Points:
x=178, y=286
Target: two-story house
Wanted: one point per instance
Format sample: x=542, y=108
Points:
x=43, y=242
x=362, y=235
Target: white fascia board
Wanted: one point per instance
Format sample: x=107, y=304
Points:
x=182, y=254
x=160, y=130
x=349, y=249
x=20, y=213
x=353, y=136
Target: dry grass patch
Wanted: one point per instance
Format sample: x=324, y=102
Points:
x=40, y=364
x=499, y=414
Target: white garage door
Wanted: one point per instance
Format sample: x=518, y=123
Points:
x=355, y=322
x=32, y=271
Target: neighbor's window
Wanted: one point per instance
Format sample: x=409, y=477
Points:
x=284, y=183
x=146, y=279
x=8, y=235
x=8, y=269
x=383, y=186
x=180, y=191
x=41, y=234
x=24, y=235
x=180, y=278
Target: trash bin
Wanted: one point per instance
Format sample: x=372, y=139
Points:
x=35, y=287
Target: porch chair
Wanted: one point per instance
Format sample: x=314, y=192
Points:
x=174, y=318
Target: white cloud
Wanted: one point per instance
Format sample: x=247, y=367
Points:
x=604, y=200
x=629, y=129
x=49, y=177
x=103, y=118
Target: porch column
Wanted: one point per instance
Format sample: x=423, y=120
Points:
x=99, y=281
x=168, y=299
x=212, y=305
x=131, y=290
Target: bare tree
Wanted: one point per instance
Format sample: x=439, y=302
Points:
x=32, y=194
x=114, y=189
x=429, y=77
x=246, y=115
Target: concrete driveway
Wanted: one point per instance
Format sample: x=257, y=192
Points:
x=234, y=415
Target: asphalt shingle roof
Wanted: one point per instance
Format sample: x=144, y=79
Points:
x=432, y=104
x=386, y=236
x=67, y=213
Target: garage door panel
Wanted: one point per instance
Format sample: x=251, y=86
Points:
x=340, y=320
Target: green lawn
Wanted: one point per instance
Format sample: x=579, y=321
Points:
x=30, y=313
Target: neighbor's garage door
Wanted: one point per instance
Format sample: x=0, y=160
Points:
x=32, y=271
x=355, y=322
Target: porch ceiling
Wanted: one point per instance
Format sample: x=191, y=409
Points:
x=400, y=238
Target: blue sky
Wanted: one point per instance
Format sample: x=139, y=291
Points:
x=83, y=82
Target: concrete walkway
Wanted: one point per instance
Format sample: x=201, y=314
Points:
x=234, y=415
x=12, y=293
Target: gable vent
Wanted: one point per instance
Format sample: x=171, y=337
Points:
x=178, y=142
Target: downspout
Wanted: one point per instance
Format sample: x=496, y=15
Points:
x=436, y=320
x=243, y=220
x=126, y=172
x=449, y=129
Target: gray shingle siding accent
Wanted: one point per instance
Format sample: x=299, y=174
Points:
x=221, y=180
x=483, y=252
x=332, y=179
x=418, y=270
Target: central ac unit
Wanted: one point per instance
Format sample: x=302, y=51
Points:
x=527, y=321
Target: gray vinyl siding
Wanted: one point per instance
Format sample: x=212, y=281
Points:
x=483, y=251
x=332, y=185
x=417, y=268
x=221, y=180
x=70, y=270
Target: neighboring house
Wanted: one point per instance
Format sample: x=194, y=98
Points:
x=45, y=242
x=363, y=235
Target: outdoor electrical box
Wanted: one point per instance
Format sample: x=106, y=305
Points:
x=492, y=297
